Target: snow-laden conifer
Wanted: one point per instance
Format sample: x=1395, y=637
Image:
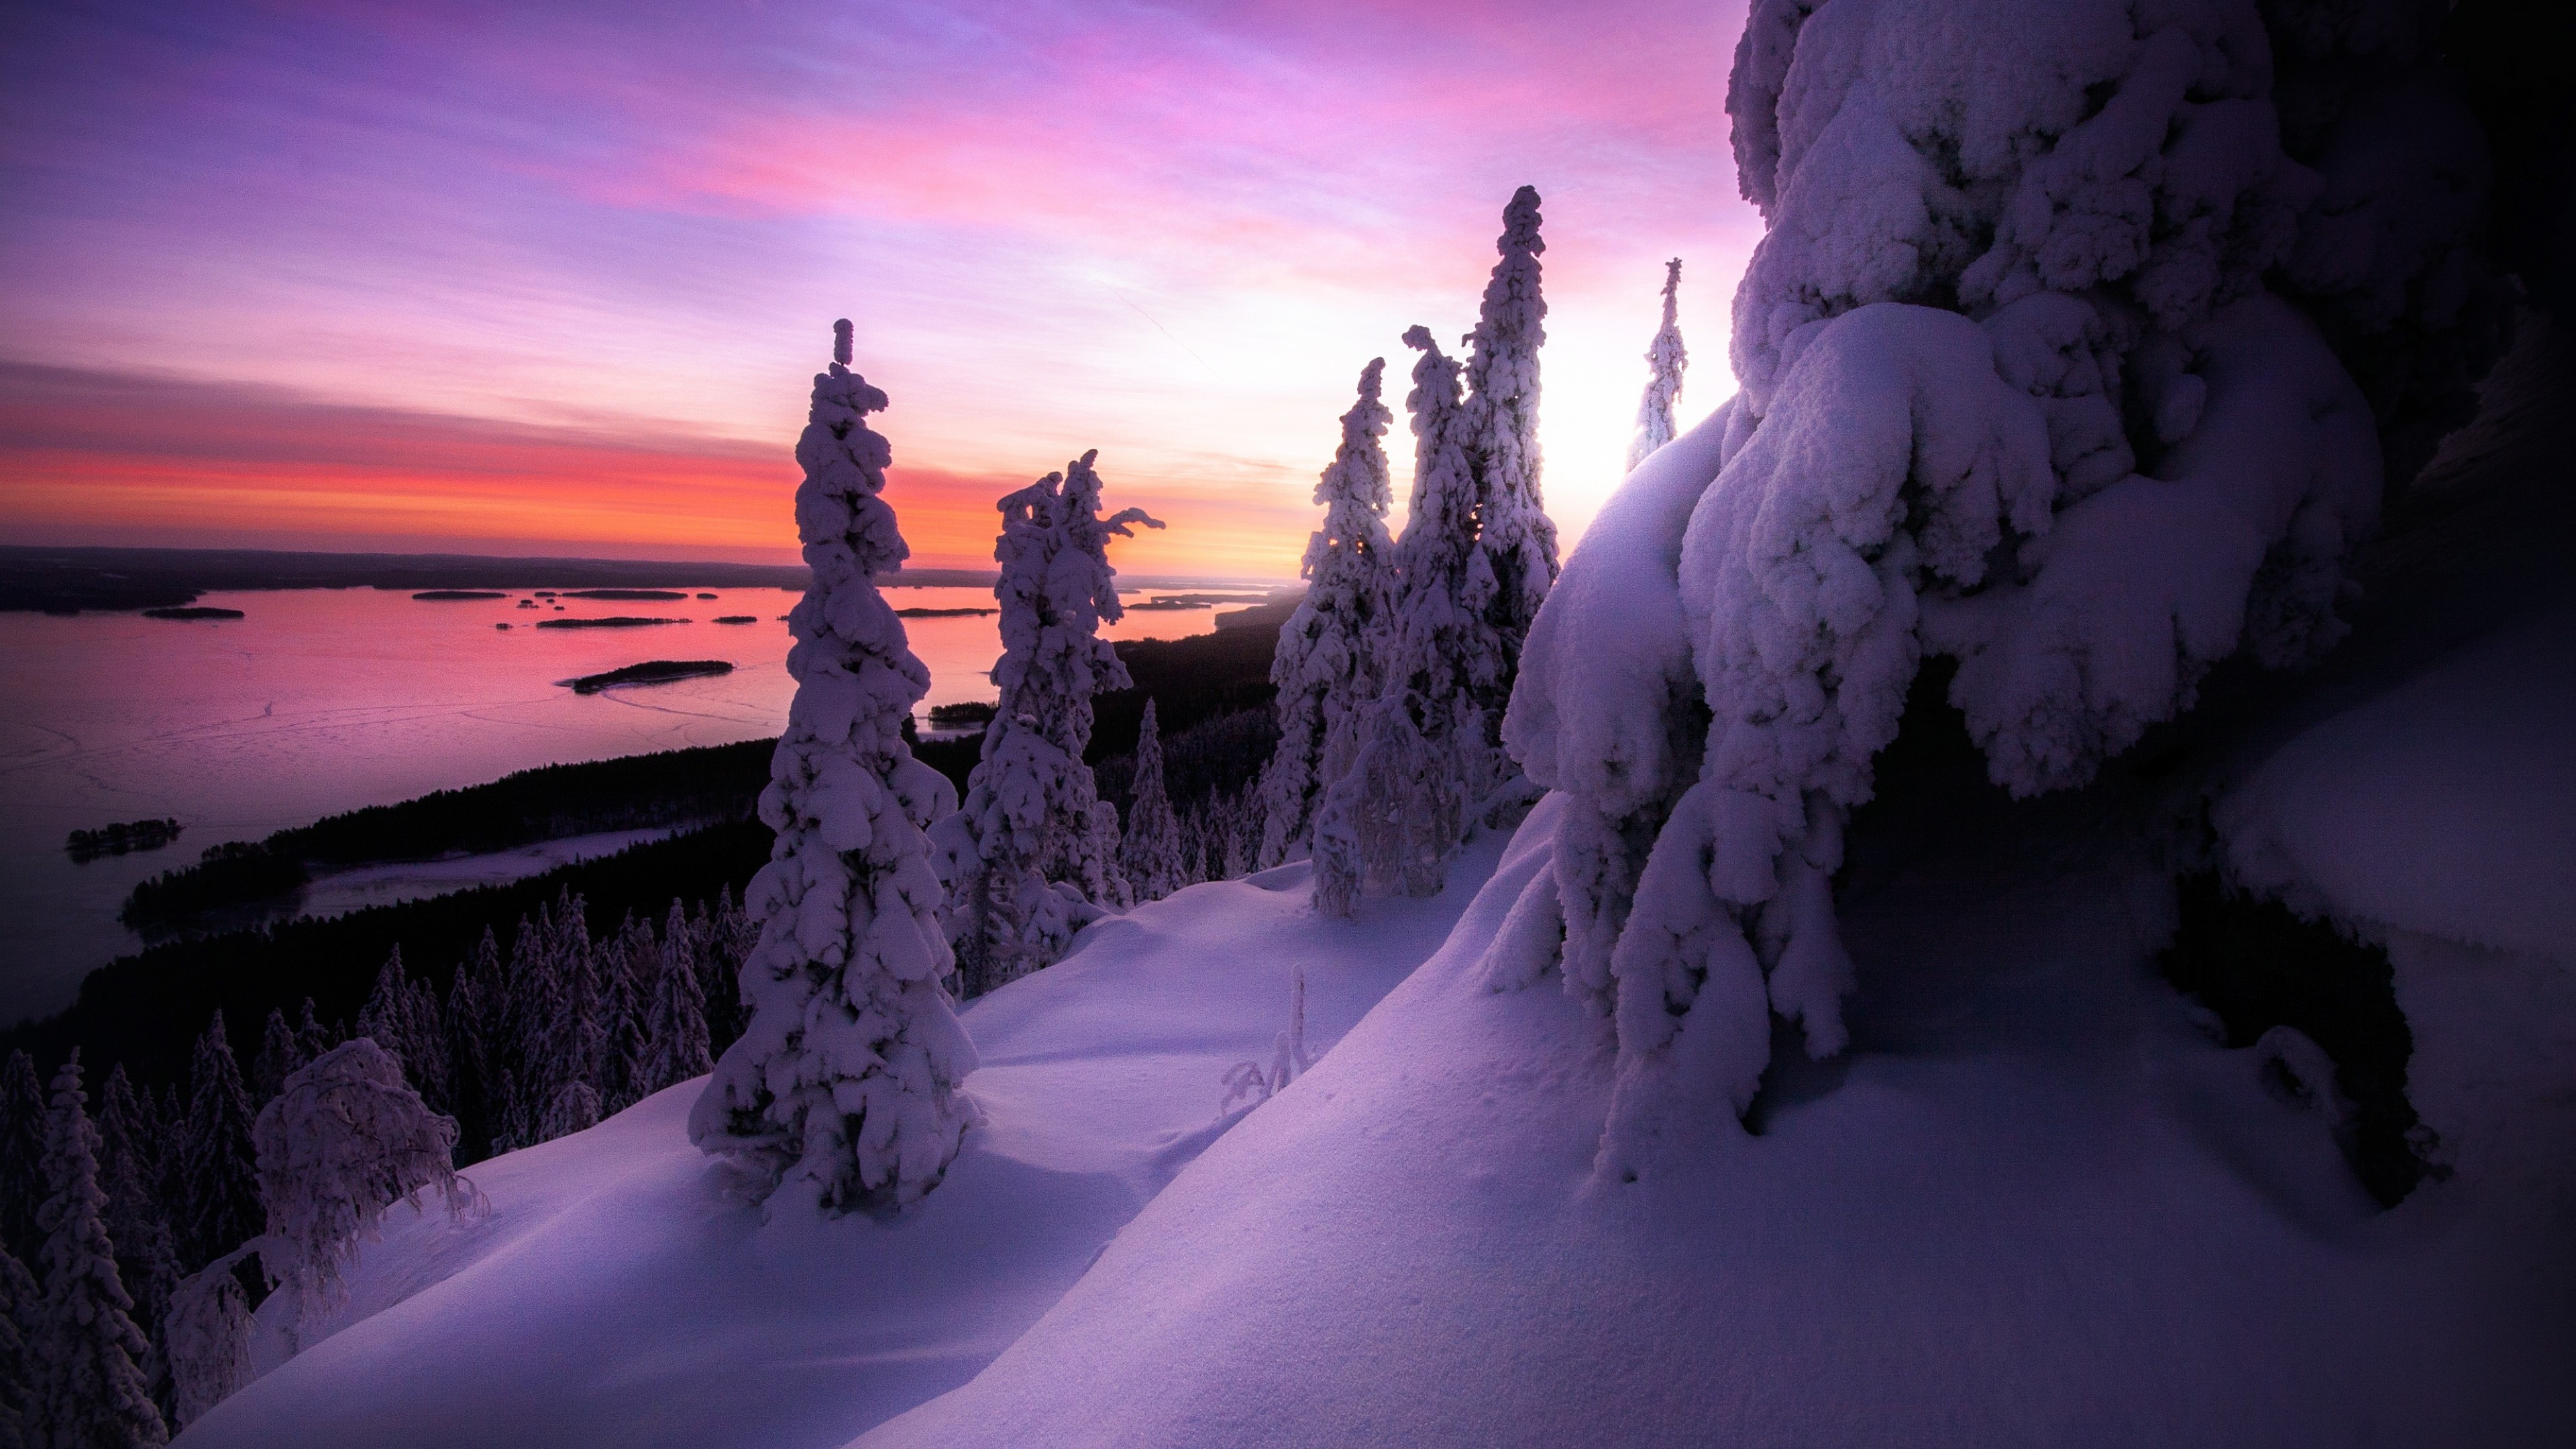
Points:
x=22, y=1309
x=1665, y=360
x=675, y=1037
x=2017, y=389
x=22, y=1153
x=1032, y=854
x=635, y=960
x=1513, y=532
x=1439, y=654
x=1327, y=664
x=845, y=1080
x=312, y=1038
x=207, y=1339
x=215, y=1183
x=1150, y=855
x=346, y=1139
x=280, y=1054
x=129, y=1174
x=90, y=1385
x=402, y=1016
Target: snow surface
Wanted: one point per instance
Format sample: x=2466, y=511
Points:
x=2032, y=1204
x=616, y=1295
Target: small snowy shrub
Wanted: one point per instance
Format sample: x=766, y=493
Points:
x=2014, y=391
x=846, y=1076
x=346, y=1139
x=1250, y=1081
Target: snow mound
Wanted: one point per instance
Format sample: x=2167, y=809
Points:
x=619, y=1295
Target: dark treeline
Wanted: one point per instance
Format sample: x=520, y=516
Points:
x=674, y=787
x=146, y=1010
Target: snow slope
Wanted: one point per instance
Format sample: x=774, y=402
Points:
x=619, y=1295
x=2033, y=1203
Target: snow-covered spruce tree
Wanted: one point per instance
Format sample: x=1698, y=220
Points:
x=22, y=1153
x=570, y=1039
x=1514, y=535
x=2014, y=392
x=312, y=1038
x=1032, y=854
x=675, y=1034
x=845, y=1081
x=346, y=1139
x=1399, y=798
x=279, y=1056
x=634, y=961
x=1150, y=855
x=90, y=1385
x=215, y=1184
x=129, y=1173
x=207, y=1340
x=1327, y=662
x=21, y=1319
x=402, y=1016
x=1665, y=360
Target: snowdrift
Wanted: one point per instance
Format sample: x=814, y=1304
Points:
x=620, y=1294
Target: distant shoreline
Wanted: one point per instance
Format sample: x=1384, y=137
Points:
x=38, y=579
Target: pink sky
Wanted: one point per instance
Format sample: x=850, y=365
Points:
x=555, y=278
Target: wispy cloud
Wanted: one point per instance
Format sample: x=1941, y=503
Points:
x=1170, y=232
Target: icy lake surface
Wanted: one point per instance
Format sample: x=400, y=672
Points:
x=324, y=700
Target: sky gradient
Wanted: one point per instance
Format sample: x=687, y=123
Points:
x=556, y=277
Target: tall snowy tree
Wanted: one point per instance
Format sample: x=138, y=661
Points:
x=22, y=1313
x=215, y=1184
x=468, y=1061
x=129, y=1173
x=1151, y=853
x=1327, y=662
x=1033, y=854
x=22, y=1153
x=1665, y=360
x=1438, y=654
x=1513, y=532
x=568, y=1050
x=280, y=1054
x=675, y=1035
x=634, y=960
x=312, y=1038
x=402, y=1016
x=845, y=1080
x=2023, y=385
x=90, y=1385
x=346, y=1139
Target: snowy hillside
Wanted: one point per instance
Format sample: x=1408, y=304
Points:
x=619, y=1295
x=2034, y=1202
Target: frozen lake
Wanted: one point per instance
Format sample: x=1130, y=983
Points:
x=325, y=700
